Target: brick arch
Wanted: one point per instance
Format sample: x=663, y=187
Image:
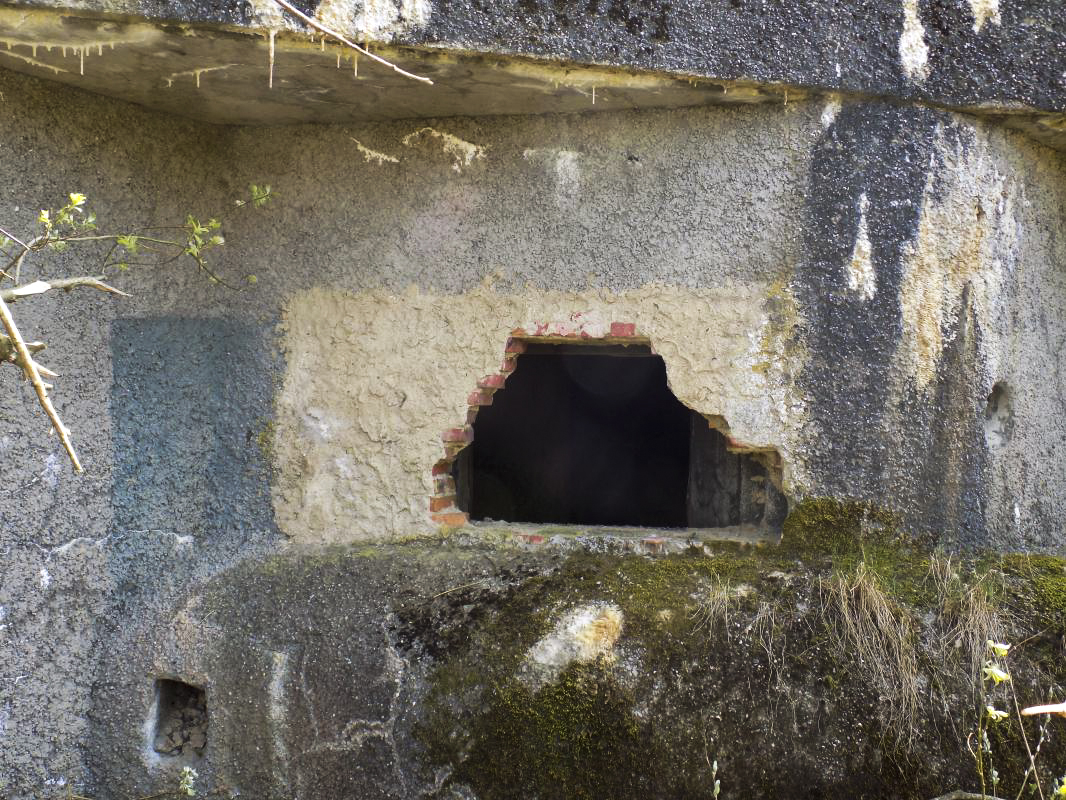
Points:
x=442, y=502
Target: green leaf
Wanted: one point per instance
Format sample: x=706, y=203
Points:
x=128, y=241
x=260, y=195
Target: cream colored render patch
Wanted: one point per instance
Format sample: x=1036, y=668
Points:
x=373, y=380
x=967, y=236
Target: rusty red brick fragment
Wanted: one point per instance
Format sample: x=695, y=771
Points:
x=464, y=434
x=441, y=502
x=451, y=519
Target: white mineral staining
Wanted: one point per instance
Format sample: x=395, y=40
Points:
x=268, y=13
x=374, y=20
x=985, y=11
x=913, y=51
x=585, y=634
x=967, y=236
x=565, y=170
x=862, y=278
x=830, y=111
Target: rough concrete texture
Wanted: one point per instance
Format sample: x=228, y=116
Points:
x=375, y=378
x=874, y=270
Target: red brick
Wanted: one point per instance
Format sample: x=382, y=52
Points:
x=623, y=330
x=508, y=366
x=451, y=519
x=464, y=434
x=444, y=484
x=442, y=468
x=482, y=398
x=492, y=382
x=515, y=346
x=441, y=502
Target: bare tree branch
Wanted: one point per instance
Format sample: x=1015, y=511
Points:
x=40, y=287
x=310, y=22
x=9, y=353
x=30, y=368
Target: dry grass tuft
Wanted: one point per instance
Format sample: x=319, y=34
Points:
x=713, y=607
x=865, y=621
x=968, y=616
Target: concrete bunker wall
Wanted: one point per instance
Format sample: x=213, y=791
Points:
x=846, y=284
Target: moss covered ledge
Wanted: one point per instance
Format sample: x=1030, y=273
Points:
x=841, y=663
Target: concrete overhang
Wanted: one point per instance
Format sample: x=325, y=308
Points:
x=252, y=62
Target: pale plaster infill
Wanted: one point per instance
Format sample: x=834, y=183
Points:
x=374, y=378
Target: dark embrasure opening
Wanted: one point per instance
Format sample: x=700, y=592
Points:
x=592, y=435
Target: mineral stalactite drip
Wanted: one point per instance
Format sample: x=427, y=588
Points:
x=270, y=80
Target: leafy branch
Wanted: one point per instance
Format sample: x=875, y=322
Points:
x=72, y=225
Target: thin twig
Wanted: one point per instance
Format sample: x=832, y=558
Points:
x=1025, y=741
x=16, y=262
x=40, y=287
x=30, y=368
x=323, y=29
x=478, y=582
x=14, y=238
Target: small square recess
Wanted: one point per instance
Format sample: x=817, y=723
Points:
x=181, y=721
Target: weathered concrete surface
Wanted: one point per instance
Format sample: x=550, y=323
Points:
x=904, y=261
x=1006, y=53
x=251, y=62
x=443, y=672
